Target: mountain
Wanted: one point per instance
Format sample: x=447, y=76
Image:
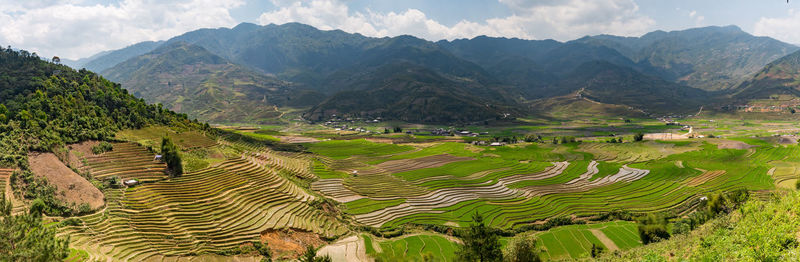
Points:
x=108, y=59
x=781, y=77
x=710, y=58
x=607, y=83
x=412, y=93
x=187, y=78
x=504, y=71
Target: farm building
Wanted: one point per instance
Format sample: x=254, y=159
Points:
x=130, y=182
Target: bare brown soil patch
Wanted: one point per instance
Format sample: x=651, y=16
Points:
x=297, y=139
x=604, y=239
x=71, y=187
x=289, y=243
x=403, y=165
x=665, y=136
x=705, y=177
x=731, y=144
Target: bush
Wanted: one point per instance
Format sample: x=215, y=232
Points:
x=523, y=250
x=171, y=155
x=638, y=137
x=653, y=229
x=102, y=148
x=84, y=208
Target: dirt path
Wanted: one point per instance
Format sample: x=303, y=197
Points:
x=679, y=163
x=604, y=239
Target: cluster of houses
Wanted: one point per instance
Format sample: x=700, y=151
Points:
x=349, y=123
x=487, y=143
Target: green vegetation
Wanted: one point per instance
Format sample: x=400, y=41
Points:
x=102, y=148
x=757, y=231
x=47, y=105
x=171, y=156
x=481, y=243
x=423, y=247
x=26, y=237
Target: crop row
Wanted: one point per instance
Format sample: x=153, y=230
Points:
x=127, y=161
x=209, y=210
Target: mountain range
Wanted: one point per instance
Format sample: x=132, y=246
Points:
x=244, y=73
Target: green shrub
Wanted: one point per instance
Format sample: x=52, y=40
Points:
x=171, y=155
x=653, y=229
x=102, y=148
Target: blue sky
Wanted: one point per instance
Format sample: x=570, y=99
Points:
x=79, y=28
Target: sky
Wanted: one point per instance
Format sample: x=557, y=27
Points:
x=75, y=29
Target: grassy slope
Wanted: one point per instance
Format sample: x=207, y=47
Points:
x=740, y=236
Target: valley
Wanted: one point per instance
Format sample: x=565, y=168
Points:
x=292, y=143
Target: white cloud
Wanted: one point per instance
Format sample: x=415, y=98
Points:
x=561, y=20
x=781, y=28
x=698, y=19
x=71, y=29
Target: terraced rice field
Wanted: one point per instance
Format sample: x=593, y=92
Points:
x=126, y=161
x=152, y=136
x=414, y=247
x=213, y=209
x=5, y=173
x=528, y=186
x=575, y=241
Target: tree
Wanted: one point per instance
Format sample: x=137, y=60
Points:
x=523, y=250
x=481, y=243
x=398, y=129
x=26, y=238
x=638, y=137
x=263, y=250
x=653, y=229
x=597, y=250
x=171, y=155
x=311, y=256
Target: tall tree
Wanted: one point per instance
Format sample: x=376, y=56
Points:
x=481, y=243
x=171, y=155
x=26, y=238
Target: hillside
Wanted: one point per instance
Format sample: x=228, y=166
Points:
x=506, y=71
x=781, y=77
x=412, y=93
x=106, y=60
x=741, y=236
x=189, y=79
x=611, y=84
x=709, y=58
x=45, y=106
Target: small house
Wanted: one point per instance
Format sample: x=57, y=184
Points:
x=496, y=144
x=158, y=158
x=130, y=182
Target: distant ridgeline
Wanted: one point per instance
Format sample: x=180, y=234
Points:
x=43, y=105
x=248, y=72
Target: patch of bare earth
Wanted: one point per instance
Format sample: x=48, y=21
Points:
x=397, y=166
x=289, y=243
x=731, y=144
x=604, y=239
x=70, y=187
x=297, y=139
x=665, y=136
